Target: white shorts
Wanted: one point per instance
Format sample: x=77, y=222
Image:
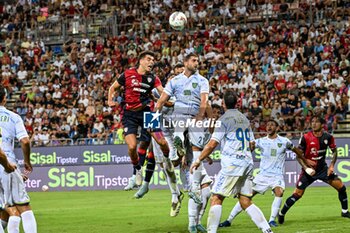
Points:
x=14, y=188
x=232, y=185
x=262, y=183
x=198, y=137
x=158, y=154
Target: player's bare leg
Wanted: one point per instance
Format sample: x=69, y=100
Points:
x=131, y=141
x=4, y=216
x=342, y=195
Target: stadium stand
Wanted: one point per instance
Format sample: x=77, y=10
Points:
x=286, y=59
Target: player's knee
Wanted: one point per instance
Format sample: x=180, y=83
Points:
x=342, y=189
x=245, y=202
x=132, y=147
x=298, y=194
x=278, y=192
x=216, y=200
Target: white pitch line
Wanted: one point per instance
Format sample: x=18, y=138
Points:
x=320, y=230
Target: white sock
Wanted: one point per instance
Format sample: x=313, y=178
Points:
x=174, y=189
x=29, y=222
x=3, y=224
x=2, y=229
x=235, y=211
x=214, y=218
x=197, y=174
x=205, y=197
x=13, y=224
x=192, y=212
x=344, y=211
x=276, y=204
x=185, y=178
x=258, y=217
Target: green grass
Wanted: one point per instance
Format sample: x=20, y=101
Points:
x=116, y=211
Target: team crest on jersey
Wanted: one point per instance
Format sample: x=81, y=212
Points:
x=325, y=141
x=279, y=145
x=149, y=80
x=194, y=85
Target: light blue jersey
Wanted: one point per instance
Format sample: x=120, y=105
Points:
x=234, y=136
x=11, y=127
x=273, y=154
x=187, y=91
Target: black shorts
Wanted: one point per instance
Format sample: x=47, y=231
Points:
x=133, y=124
x=305, y=180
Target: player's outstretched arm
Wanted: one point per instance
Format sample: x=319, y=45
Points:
x=25, y=144
x=208, y=149
x=115, y=86
x=302, y=161
x=5, y=163
x=162, y=100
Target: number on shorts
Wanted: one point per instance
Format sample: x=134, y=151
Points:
x=243, y=137
x=200, y=140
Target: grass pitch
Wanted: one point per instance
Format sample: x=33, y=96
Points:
x=116, y=211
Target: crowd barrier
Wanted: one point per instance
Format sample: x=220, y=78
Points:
x=107, y=167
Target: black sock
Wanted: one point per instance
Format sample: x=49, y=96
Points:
x=142, y=156
x=134, y=170
x=343, y=198
x=137, y=167
x=151, y=164
x=289, y=203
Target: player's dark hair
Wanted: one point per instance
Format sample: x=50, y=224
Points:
x=2, y=93
x=319, y=119
x=230, y=99
x=145, y=53
x=178, y=65
x=274, y=121
x=188, y=56
x=216, y=106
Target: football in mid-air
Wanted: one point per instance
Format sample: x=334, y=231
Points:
x=178, y=20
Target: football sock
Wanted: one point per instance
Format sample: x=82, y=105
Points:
x=214, y=218
x=197, y=174
x=235, y=211
x=192, y=212
x=289, y=203
x=276, y=204
x=258, y=218
x=133, y=171
x=2, y=229
x=3, y=224
x=174, y=189
x=205, y=197
x=13, y=225
x=29, y=222
x=185, y=178
x=151, y=164
x=142, y=155
x=343, y=198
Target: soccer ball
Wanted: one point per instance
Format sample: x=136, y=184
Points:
x=178, y=20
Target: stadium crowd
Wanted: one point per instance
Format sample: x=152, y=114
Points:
x=284, y=69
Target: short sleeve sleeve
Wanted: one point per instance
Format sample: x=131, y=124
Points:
x=121, y=79
x=21, y=131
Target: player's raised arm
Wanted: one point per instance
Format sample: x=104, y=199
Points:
x=115, y=86
x=165, y=94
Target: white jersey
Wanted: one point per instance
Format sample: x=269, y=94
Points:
x=166, y=111
x=234, y=135
x=273, y=154
x=187, y=91
x=11, y=127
